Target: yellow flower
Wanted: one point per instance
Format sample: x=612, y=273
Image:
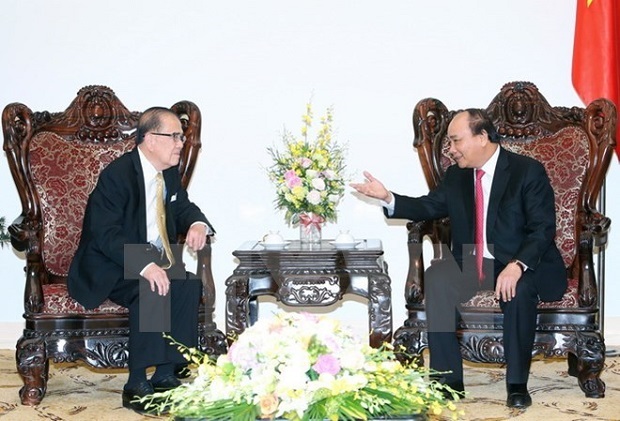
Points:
x=436, y=408
x=299, y=192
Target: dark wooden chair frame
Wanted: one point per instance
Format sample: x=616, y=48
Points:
x=95, y=117
x=521, y=113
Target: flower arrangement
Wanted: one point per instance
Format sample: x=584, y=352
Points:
x=4, y=236
x=309, y=174
x=299, y=366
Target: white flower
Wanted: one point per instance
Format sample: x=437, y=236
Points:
x=334, y=198
x=314, y=197
x=312, y=174
x=291, y=378
x=330, y=174
x=318, y=183
x=354, y=360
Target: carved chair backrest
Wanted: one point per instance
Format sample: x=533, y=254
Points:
x=565, y=155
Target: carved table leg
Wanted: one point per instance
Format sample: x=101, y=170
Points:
x=33, y=367
x=237, y=306
x=409, y=343
x=379, y=309
x=588, y=363
x=212, y=341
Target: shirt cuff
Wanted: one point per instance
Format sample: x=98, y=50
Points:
x=522, y=265
x=144, y=270
x=209, y=231
x=389, y=207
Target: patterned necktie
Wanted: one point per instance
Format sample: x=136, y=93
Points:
x=161, y=221
x=479, y=233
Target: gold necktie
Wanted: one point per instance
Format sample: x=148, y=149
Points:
x=161, y=220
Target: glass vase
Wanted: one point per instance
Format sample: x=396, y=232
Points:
x=310, y=226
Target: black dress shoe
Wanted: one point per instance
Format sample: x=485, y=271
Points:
x=167, y=383
x=131, y=394
x=182, y=371
x=518, y=396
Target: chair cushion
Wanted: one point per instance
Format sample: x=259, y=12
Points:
x=486, y=299
x=57, y=301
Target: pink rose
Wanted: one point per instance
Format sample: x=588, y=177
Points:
x=327, y=363
x=292, y=180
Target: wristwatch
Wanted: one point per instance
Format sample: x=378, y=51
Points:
x=520, y=264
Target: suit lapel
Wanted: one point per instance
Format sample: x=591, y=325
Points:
x=500, y=181
x=467, y=190
x=139, y=177
x=168, y=190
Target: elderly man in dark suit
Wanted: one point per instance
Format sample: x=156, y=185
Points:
x=511, y=249
x=125, y=252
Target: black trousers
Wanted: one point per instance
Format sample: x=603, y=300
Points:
x=151, y=314
x=446, y=286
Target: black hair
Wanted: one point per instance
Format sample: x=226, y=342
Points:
x=479, y=121
x=150, y=120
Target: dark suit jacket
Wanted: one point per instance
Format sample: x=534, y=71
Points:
x=520, y=217
x=115, y=217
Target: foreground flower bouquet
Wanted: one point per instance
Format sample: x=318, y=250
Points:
x=299, y=366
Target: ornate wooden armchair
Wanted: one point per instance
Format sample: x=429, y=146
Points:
x=575, y=145
x=55, y=160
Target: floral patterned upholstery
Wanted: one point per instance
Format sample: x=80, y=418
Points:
x=58, y=301
x=64, y=173
x=487, y=298
x=564, y=156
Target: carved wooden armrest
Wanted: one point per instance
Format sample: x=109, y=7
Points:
x=205, y=273
x=598, y=226
x=203, y=270
x=20, y=234
x=24, y=238
x=439, y=232
x=594, y=233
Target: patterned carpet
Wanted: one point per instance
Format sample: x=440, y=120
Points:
x=76, y=392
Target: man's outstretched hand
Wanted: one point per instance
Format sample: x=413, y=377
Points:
x=372, y=187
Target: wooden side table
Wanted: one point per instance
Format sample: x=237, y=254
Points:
x=310, y=275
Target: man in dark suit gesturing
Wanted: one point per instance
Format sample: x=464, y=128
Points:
x=136, y=210
x=511, y=249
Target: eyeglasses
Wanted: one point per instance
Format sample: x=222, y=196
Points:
x=175, y=136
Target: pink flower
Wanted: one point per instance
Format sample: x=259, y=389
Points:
x=292, y=180
x=327, y=363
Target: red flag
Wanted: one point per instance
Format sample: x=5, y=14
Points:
x=596, y=52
